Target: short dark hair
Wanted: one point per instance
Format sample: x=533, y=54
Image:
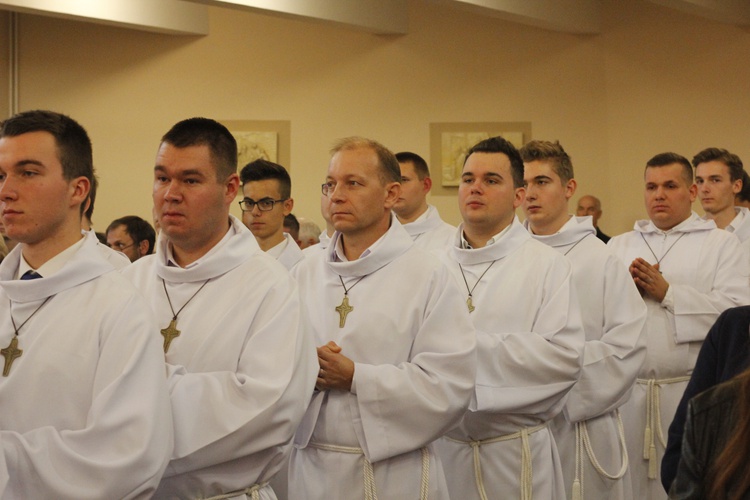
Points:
x=420, y=165
x=732, y=161
x=261, y=170
x=500, y=145
x=206, y=132
x=137, y=228
x=89, y=212
x=390, y=171
x=291, y=223
x=664, y=159
x=552, y=152
x=73, y=143
x=744, y=194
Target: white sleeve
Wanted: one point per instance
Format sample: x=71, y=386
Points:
x=122, y=448
x=612, y=362
x=224, y=415
x=532, y=372
x=404, y=407
x=695, y=311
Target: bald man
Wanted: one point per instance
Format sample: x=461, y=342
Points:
x=590, y=205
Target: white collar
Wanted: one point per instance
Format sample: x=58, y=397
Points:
x=54, y=264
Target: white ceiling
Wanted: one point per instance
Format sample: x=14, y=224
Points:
x=375, y=16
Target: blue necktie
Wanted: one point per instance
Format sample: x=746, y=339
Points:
x=30, y=275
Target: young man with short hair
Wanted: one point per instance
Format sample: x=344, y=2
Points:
x=395, y=345
x=719, y=177
x=241, y=369
x=85, y=410
x=267, y=191
x=592, y=450
x=421, y=221
x=688, y=272
x=529, y=338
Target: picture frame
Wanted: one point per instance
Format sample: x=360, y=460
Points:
x=267, y=139
x=449, y=143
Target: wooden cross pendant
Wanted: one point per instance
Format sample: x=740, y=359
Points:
x=170, y=333
x=343, y=310
x=10, y=353
x=470, y=305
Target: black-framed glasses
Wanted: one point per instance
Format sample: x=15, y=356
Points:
x=120, y=246
x=264, y=205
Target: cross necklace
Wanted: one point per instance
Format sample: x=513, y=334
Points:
x=171, y=332
x=658, y=261
x=469, y=304
x=344, y=309
x=12, y=352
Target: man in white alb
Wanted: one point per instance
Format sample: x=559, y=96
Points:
x=267, y=191
x=719, y=176
x=421, y=221
x=85, y=411
x=240, y=368
x=529, y=338
x=688, y=272
x=589, y=432
x=396, y=345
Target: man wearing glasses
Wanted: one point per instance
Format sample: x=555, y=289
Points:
x=132, y=236
x=267, y=190
x=396, y=347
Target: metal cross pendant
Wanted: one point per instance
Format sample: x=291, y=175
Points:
x=343, y=310
x=10, y=353
x=470, y=304
x=170, y=333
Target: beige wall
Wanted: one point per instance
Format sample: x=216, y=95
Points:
x=654, y=80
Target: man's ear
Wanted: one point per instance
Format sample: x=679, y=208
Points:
x=570, y=188
x=426, y=185
x=288, y=206
x=393, y=191
x=143, y=248
x=80, y=187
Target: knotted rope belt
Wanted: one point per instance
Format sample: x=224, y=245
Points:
x=653, y=419
x=252, y=491
x=583, y=442
x=526, y=459
x=369, y=473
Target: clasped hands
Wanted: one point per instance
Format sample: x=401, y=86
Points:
x=649, y=279
x=336, y=370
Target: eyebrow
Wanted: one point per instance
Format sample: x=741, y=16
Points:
x=23, y=163
x=183, y=173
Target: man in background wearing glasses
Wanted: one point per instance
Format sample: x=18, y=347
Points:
x=267, y=191
x=132, y=236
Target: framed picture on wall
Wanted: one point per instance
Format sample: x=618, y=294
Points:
x=261, y=139
x=449, y=143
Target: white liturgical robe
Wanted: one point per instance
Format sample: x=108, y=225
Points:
x=529, y=348
x=413, y=346
x=288, y=253
x=614, y=317
x=85, y=411
x=740, y=226
x=707, y=272
x=241, y=370
x=429, y=231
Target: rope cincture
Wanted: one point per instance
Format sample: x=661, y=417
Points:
x=527, y=473
x=252, y=491
x=369, y=473
x=583, y=442
x=653, y=429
